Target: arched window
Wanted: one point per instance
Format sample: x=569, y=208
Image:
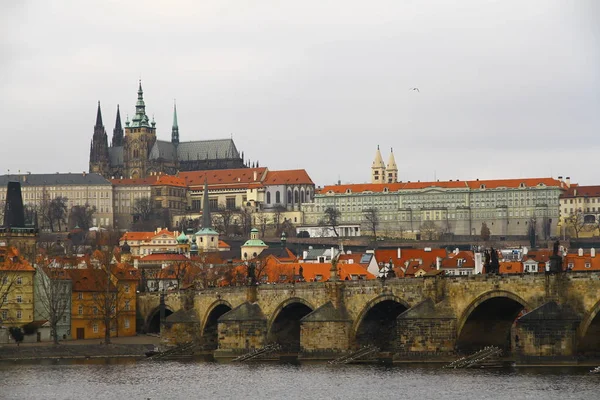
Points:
x=302, y=196
x=296, y=196
x=277, y=197
x=289, y=197
x=268, y=197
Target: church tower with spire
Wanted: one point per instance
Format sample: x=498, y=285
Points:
x=140, y=135
x=175, y=128
x=391, y=170
x=99, y=160
x=378, y=168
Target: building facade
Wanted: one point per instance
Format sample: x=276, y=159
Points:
x=508, y=206
x=135, y=152
x=580, y=212
x=79, y=189
x=16, y=288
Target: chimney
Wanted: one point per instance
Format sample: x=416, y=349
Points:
x=438, y=263
x=399, y=252
x=135, y=263
x=478, y=263
x=255, y=175
x=304, y=254
x=580, y=252
x=592, y=252
x=456, y=250
x=568, y=181
x=84, y=174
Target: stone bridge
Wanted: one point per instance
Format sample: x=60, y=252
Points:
x=534, y=317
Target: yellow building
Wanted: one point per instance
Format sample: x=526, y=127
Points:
x=91, y=301
x=16, y=288
x=580, y=212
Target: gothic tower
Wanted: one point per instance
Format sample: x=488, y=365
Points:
x=391, y=169
x=117, y=139
x=175, y=128
x=99, y=161
x=378, y=168
x=140, y=135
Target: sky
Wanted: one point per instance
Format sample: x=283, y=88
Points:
x=507, y=89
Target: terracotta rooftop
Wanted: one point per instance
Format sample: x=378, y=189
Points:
x=581, y=191
x=223, y=176
x=476, y=184
x=288, y=177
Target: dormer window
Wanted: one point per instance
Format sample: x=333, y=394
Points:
x=521, y=185
x=482, y=186
x=348, y=191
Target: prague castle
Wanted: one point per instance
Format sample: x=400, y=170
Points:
x=135, y=152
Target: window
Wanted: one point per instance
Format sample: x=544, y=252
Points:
x=64, y=319
x=19, y=299
x=19, y=280
x=95, y=328
x=588, y=265
x=126, y=323
x=80, y=296
x=126, y=305
x=4, y=315
x=289, y=196
x=230, y=203
x=80, y=310
x=19, y=314
x=95, y=310
x=277, y=197
x=126, y=289
x=268, y=197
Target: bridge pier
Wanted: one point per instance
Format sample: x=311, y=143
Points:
x=325, y=333
x=425, y=331
x=241, y=330
x=546, y=334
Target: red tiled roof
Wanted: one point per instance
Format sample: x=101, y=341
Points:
x=223, y=245
x=133, y=182
x=476, y=184
x=13, y=260
x=581, y=191
x=452, y=260
x=220, y=177
x=579, y=262
x=288, y=177
x=88, y=280
x=168, y=180
x=511, y=267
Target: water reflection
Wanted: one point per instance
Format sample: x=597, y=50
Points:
x=134, y=379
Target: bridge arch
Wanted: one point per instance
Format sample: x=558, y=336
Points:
x=152, y=323
x=376, y=323
x=209, y=326
x=589, y=332
x=283, y=326
x=488, y=319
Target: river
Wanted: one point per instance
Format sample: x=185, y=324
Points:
x=132, y=380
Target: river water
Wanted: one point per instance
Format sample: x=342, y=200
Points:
x=131, y=380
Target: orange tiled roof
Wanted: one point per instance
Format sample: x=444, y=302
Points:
x=476, y=184
x=169, y=180
x=88, y=280
x=428, y=257
x=132, y=182
x=452, y=260
x=581, y=191
x=164, y=257
x=579, y=262
x=223, y=245
x=137, y=236
x=13, y=260
x=511, y=267
x=288, y=177
x=222, y=176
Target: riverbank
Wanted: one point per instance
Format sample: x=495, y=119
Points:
x=135, y=346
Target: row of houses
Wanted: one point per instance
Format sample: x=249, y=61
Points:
x=73, y=296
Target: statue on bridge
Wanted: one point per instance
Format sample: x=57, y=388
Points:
x=491, y=263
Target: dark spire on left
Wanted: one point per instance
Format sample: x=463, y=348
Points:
x=117, y=139
x=99, y=117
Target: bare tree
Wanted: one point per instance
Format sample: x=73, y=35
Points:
x=485, y=232
x=82, y=216
x=53, y=291
x=262, y=222
x=331, y=219
x=224, y=216
x=245, y=220
x=143, y=208
x=278, y=217
x=371, y=218
x=429, y=230
x=575, y=223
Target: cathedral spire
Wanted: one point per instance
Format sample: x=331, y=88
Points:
x=117, y=139
x=175, y=128
x=98, y=117
x=140, y=119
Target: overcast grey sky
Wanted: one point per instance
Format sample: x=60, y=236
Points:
x=507, y=88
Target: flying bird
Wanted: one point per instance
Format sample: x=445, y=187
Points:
x=415, y=88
